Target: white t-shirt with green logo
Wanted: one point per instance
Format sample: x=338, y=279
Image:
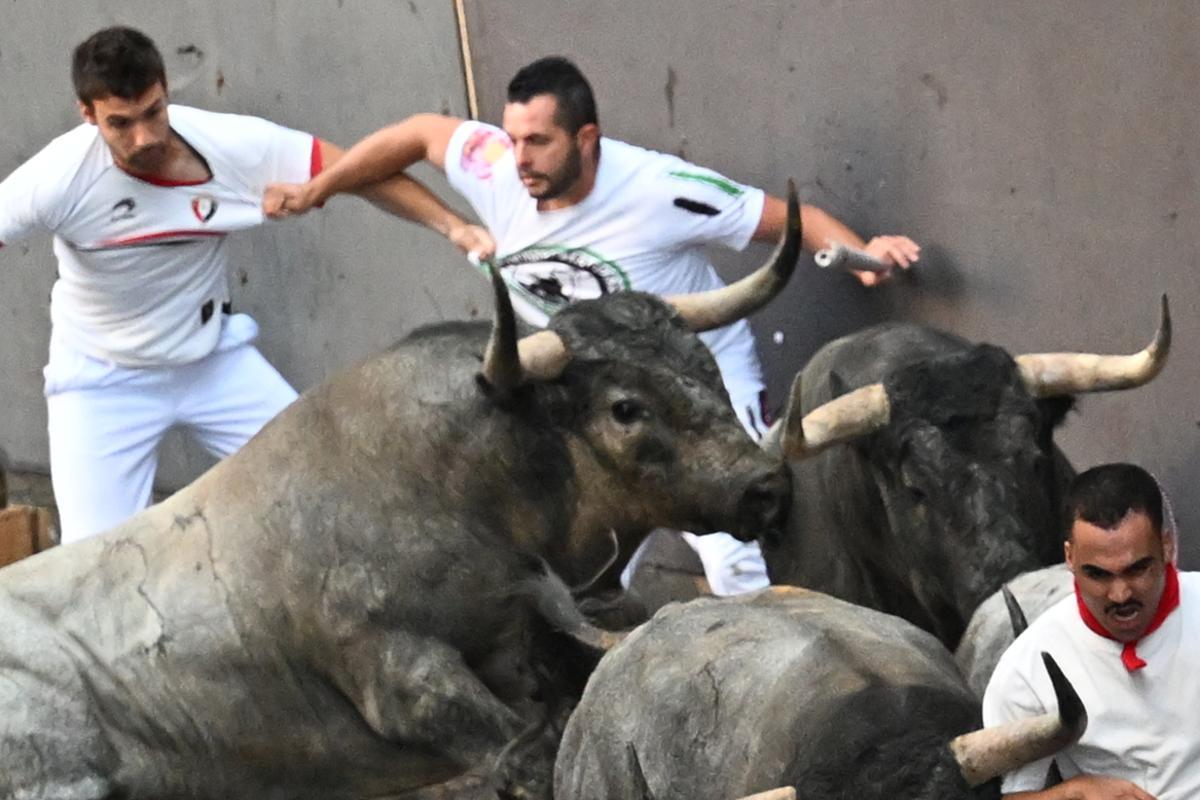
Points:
x=644, y=226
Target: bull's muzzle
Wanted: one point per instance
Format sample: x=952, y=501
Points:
x=763, y=508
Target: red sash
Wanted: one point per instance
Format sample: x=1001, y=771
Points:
x=1166, y=604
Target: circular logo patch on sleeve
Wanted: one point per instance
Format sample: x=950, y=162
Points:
x=483, y=148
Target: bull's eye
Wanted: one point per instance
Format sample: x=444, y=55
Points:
x=626, y=412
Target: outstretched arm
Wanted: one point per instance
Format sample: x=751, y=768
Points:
x=820, y=229
x=374, y=169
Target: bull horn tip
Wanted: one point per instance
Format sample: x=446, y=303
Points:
x=1016, y=615
x=1070, y=708
x=1163, y=340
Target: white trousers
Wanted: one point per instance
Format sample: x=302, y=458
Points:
x=730, y=566
x=106, y=421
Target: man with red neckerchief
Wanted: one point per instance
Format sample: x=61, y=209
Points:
x=1129, y=642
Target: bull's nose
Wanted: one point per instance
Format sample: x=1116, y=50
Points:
x=763, y=509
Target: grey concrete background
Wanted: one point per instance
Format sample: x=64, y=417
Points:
x=1044, y=153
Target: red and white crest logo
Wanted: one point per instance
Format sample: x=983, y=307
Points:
x=204, y=206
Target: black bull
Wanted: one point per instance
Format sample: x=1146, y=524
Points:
x=948, y=481
x=331, y=611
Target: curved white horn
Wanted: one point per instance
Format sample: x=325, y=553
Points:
x=501, y=364
x=704, y=311
x=991, y=752
x=1058, y=374
x=850, y=416
x=543, y=356
x=507, y=362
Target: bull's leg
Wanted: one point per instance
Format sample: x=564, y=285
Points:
x=418, y=691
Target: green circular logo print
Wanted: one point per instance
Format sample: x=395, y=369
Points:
x=545, y=278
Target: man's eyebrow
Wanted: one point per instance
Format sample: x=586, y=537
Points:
x=1096, y=572
x=1140, y=564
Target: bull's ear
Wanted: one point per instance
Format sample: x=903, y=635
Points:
x=837, y=385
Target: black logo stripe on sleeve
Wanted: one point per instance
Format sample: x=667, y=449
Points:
x=696, y=207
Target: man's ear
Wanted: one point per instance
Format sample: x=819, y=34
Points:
x=588, y=137
x=1067, y=554
x=87, y=112
x=1169, y=546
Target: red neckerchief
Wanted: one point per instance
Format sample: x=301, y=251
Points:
x=1166, y=604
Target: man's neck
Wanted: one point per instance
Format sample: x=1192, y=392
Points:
x=182, y=164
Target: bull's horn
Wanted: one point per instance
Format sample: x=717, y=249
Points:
x=782, y=793
x=1058, y=374
x=501, y=364
x=850, y=416
x=1016, y=616
x=991, y=752
x=704, y=311
x=507, y=362
x=543, y=356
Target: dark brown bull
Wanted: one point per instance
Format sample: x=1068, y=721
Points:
x=331, y=611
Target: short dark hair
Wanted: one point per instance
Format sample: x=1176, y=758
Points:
x=1104, y=495
x=555, y=75
x=116, y=62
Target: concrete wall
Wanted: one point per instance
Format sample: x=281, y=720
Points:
x=1044, y=153
x=327, y=289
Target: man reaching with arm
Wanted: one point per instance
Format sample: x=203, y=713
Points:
x=140, y=199
x=576, y=215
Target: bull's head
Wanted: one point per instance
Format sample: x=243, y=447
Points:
x=961, y=449
x=651, y=436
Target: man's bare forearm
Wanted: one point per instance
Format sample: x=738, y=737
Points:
x=384, y=154
x=408, y=198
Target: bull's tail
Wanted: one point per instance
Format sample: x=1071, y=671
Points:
x=555, y=602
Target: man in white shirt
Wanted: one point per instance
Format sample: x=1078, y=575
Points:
x=576, y=216
x=140, y=199
x=1128, y=641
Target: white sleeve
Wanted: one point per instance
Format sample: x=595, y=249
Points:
x=30, y=198
x=478, y=158
x=1009, y=696
x=266, y=152
x=706, y=207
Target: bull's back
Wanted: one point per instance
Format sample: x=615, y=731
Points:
x=725, y=698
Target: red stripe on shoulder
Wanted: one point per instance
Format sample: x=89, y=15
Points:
x=316, y=160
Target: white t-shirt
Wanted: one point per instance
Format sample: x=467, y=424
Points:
x=1142, y=725
x=138, y=259
x=643, y=226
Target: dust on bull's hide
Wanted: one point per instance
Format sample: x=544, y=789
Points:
x=721, y=698
x=333, y=611
x=991, y=629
